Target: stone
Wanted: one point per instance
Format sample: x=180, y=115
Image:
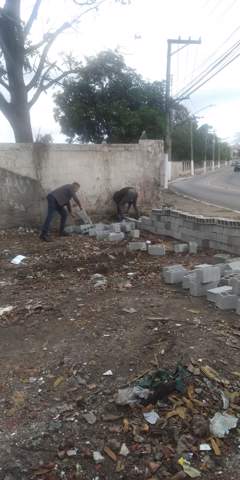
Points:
x=157, y=249
x=208, y=273
x=226, y=301
x=181, y=248
x=213, y=293
x=174, y=274
x=135, y=234
x=135, y=246
x=116, y=237
x=70, y=229
x=193, y=247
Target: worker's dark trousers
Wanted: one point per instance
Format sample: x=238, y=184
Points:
x=54, y=207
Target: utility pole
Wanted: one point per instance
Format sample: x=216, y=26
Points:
x=191, y=146
x=168, y=139
x=219, y=152
x=213, y=151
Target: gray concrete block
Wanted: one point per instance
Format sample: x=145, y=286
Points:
x=84, y=229
x=181, y=248
x=213, y=293
x=198, y=289
x=116, y=237
x=186, y=280
x=127, y=227
x=238, y=306
x=227, y=301
x=135, y=234
x=235, y=283
x=208, y=273
x=174, y=274
x=70, y=229
x=116, y=227
x=233, y=267
x=221, y=258
x=92, y=232
x=102, y=235
x=100, y=227
x=137, y=246
x=157, y=249
x=193, y=247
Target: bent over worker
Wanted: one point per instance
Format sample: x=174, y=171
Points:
x=126, y=196
x=57, y=201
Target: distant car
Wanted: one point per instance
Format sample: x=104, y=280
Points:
x=236, y=167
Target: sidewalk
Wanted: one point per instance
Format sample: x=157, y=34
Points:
x=174, y=200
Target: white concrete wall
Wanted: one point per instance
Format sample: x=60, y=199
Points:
x=100, y=169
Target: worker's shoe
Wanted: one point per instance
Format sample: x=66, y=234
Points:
x=44, y=238
x=64, y=234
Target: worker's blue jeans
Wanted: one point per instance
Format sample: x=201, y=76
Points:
x=54, y=207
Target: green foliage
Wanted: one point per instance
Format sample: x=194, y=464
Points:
x=110, y=102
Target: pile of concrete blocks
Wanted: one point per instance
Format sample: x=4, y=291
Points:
x=114, y=232
x=217, y=284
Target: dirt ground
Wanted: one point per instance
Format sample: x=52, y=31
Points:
x=65, y=332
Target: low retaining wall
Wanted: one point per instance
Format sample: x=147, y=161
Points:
x=217, y=233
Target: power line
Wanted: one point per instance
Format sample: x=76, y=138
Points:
x=209, y=69
x=214, y=74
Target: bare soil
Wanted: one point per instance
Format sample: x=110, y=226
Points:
x=64, y=334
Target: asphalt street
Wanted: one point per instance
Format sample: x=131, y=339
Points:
x=221, y=187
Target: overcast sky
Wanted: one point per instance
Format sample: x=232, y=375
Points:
x=140, y=32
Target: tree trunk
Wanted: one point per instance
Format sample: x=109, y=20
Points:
x=12, y=43
x=21, y=125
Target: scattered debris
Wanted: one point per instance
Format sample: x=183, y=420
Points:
x=222, y=423
x=97, y=457
x=18, y=259
x=108, y=373
x=4, y=310
x=124, y=451
x=151, y=417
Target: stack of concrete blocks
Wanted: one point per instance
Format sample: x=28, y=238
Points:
x=217, y=233
x=201, y=279
x=174, y=274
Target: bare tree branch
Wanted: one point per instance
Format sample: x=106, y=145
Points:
x=42, y=88
x=32, y=17
x=51, y=39
x=4, y=84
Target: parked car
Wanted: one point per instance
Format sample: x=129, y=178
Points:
x=237, y=166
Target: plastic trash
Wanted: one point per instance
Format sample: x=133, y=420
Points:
x=151, y=417
x=190, y=471
x=222, y=423
x=205, y=447
x=108, y=373
x=4, y=310
x=18, y=259
x=131, y=395
x=97, y=457
x=124, y=450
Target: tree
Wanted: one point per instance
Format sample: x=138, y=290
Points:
x=25, y=68
x=108, y=101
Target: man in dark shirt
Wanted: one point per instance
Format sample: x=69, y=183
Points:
x=57, y=201
x=126, y=196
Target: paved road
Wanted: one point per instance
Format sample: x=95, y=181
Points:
x=221, y=188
